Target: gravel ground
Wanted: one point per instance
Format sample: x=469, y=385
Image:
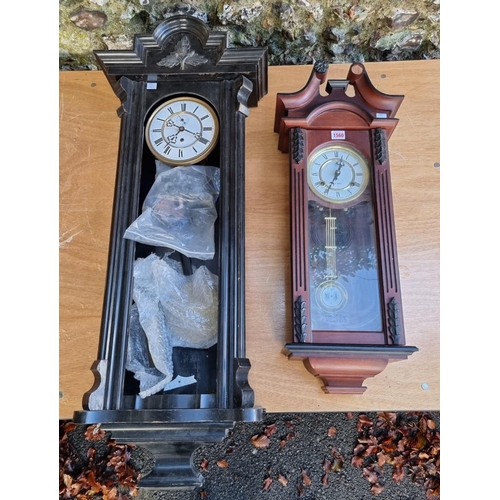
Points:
x=294, y=456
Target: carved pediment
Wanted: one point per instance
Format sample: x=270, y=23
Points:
x=184, y=47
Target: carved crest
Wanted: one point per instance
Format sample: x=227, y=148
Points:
x=393, y=315
x=298, y=145
x=300, y=320
x=182, y=56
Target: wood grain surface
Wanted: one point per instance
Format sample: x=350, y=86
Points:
x=89, y=130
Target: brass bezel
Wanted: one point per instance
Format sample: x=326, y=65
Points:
x=342, y=147
x=197, y=158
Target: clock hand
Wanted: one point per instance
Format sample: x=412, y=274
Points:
x=196, y=134
x=340, y=163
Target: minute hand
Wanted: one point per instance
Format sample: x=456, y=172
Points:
x=335, y=176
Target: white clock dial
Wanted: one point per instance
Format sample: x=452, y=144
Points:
x=337, y=174
x=182, y=131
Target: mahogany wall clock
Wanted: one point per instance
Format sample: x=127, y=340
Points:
x=184, y=99
x=346, y=296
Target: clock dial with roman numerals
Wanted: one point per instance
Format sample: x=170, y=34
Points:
x=337, y=173
x=182, y=131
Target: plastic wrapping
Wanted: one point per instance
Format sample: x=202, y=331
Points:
x=173, y=310
x=179, y=211
x=141, y=358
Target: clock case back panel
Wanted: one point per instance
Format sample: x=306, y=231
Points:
x=305, y=120
x=181, y=58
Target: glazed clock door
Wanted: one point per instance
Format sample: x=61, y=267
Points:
x=342, y=251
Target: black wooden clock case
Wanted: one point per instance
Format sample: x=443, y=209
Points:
x=181, y=58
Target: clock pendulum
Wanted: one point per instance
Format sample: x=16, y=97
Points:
x=330, y=294
x=346, y=296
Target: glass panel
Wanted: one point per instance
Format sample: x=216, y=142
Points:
x=343, y=271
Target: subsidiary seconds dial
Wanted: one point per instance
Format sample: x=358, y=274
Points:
x=337, y=173
x=182, y=131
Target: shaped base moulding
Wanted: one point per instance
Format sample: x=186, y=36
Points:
x=170, y=436
x=344, y=368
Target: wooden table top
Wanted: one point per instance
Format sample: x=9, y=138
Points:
x=89, y=132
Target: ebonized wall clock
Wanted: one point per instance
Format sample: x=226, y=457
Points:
x=346, y=296
x=184, y=99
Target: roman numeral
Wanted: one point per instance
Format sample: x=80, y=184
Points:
x=159, y=141
x=203, y=140
x=183, y=106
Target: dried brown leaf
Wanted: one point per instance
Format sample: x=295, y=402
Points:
x=270, y=430
x=371, y=450
x=370, y=475
x=260, y=441
x=349, y=415
x=94, y=433
x=338, y=464
x=364, y=421
x=222, y=464
x=204, y=464
x=111, y=494
x=332, y=431
x=324, y=480
x=358, y=449
x=398, y=474
x=75, y=488
x=69, y=426
x=388, y=445
x=377, y=488
x=386, y=418
x=267, y=483
x=282, y=479
x=381, y=459
x=327, y=465
x=203, y=494
x=305, y=478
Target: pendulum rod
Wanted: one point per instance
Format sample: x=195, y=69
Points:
x=331, y=246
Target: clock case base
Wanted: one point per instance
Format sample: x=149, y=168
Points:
x=171, y=437
x=304, y=121
x=171, y=425
x=344, y=368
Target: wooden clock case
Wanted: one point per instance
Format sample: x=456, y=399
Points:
x=364, y=119
x=181, y=57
